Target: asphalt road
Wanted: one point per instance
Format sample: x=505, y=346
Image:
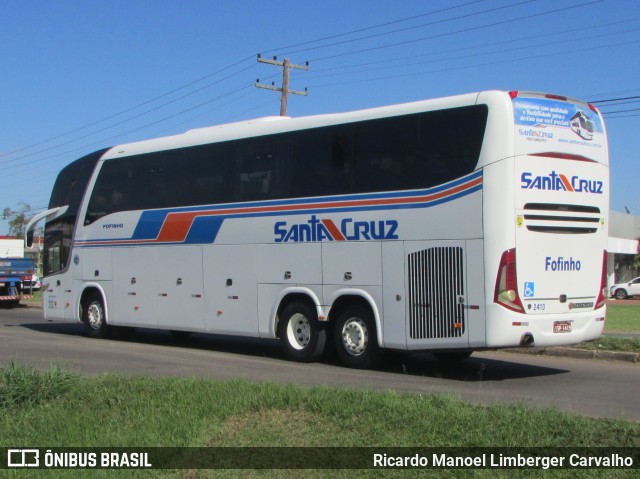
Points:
x=587, y=387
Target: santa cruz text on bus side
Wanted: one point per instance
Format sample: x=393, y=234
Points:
x=321, y=229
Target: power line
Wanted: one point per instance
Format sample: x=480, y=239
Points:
x=396, y=59
x=413, y=27
x=102, y=141
x=344, y=34
x=471, y=55
x=464, y=30
x=617, y=99
x=620, y=111
x=127, y=110
x=463, y=67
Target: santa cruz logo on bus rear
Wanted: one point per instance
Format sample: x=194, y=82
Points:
x=559, y=182
x=323, y=229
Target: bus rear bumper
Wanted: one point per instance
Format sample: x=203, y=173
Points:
x=547, y=330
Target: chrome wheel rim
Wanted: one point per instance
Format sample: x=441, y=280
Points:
x=94, y=315
x=355, y=336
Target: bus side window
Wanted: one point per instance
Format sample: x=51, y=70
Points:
x=321, y=162
x=386, y=155
x=256, y=176
x=112, y=191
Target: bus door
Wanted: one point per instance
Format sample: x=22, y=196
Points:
x=54, y=297
x=57, y=286
x=436, y=294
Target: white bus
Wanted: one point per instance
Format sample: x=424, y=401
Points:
x=449, y=225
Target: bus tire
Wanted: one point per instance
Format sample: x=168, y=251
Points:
x=302, y=338
x=355, y=338
x=94, y=318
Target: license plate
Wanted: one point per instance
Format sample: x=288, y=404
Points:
x=561, y=327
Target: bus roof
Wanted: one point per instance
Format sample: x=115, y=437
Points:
x=509, y=120
x=273, y=125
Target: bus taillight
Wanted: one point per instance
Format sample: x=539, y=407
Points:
x=602, y=294
x=506, y=292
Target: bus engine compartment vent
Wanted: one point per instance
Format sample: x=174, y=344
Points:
x=435, y=282
x=558, y=218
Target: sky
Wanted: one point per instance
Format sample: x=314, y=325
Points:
x=78, y=76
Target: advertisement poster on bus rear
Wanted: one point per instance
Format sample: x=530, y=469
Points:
x=544, y=124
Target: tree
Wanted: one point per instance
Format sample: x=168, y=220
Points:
x=17, y=219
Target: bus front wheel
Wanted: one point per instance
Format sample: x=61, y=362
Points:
x=302, y=337
x=94, y=318
x=355, y=338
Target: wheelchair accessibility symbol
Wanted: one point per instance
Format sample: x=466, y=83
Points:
x=529, y=289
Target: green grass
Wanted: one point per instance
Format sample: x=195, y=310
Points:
x=126, y=411
x=20, y=387
x=613, y=343
x=622, y=318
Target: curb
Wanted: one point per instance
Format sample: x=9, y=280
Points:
x=579, y=353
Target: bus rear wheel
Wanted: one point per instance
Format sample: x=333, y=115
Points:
x=355, y=338
x=94, y=318
x=301, y=336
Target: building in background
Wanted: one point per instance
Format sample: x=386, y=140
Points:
x=623, y=248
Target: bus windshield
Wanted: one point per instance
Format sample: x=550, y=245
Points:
x=68, y=190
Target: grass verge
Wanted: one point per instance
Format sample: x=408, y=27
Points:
x=27, y=387
x=134, y=411
x=622, y=318
x=613, y=343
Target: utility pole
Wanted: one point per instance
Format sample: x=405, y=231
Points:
x=286, y=66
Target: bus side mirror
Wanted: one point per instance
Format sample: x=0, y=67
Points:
x=49, y=214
